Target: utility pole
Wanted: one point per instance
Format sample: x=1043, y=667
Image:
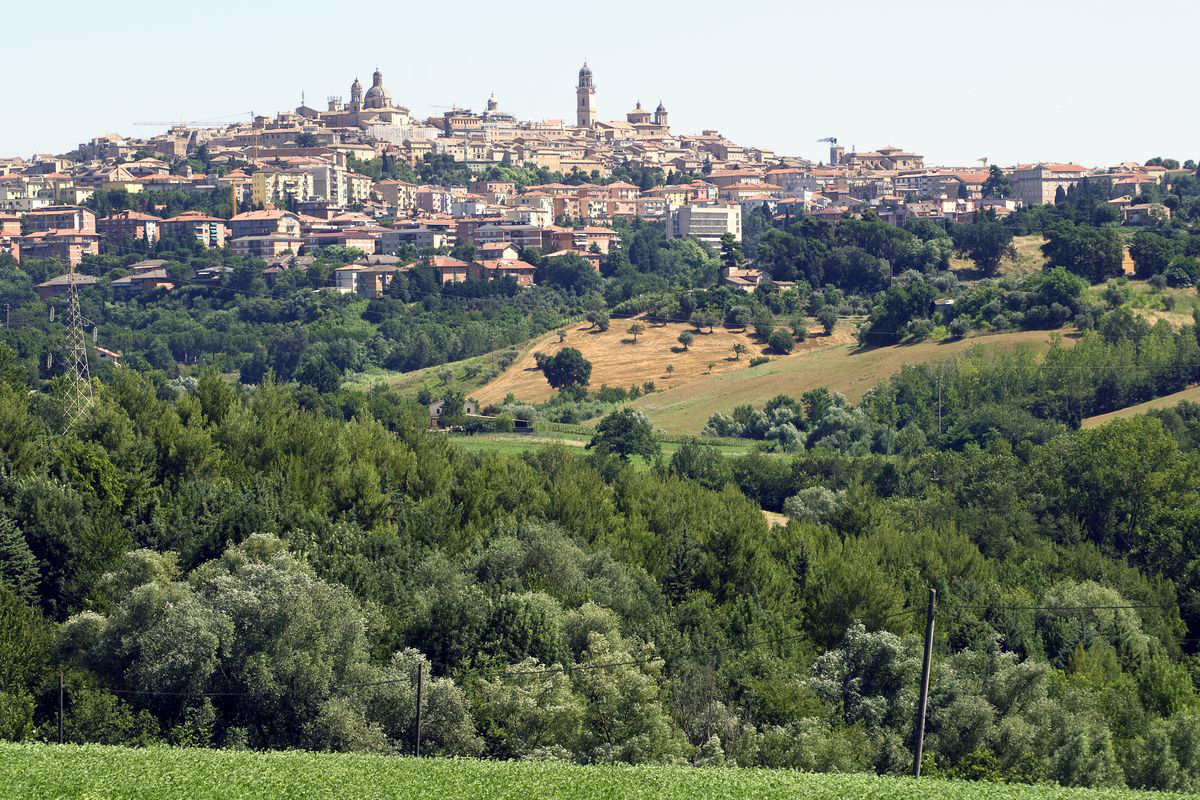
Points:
x=923, y=702
x=7, y=310
x=420, y=682
x=60, y=706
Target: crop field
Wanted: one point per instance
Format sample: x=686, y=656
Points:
x=617, y=361
x=852, y=372
x=93, y=771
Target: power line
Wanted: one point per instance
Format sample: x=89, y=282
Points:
x=1132, y=607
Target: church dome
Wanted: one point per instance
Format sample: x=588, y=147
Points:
x=661, y=108
x=585, y=71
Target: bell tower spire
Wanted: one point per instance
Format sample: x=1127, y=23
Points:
x=585, y=115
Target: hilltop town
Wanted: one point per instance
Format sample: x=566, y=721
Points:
x=574, y=443
x=350, y=175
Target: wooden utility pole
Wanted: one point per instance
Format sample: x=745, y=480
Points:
x=60, y=706
x=923, y=702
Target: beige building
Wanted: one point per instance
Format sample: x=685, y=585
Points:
x=278, y=186
x=1037, y=184
x=708, y=223
x=209, y=231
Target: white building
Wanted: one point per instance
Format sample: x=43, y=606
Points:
x=708, y=222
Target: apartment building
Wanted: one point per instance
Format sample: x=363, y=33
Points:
x=708, y=223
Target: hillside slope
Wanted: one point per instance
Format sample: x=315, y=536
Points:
x=617, y=361
x=685, y=409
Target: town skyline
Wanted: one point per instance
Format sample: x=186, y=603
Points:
x=956, y=115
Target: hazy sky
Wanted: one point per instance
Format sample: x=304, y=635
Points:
x=1014, y=80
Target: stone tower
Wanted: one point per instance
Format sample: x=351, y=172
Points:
x=356, y=96
x=660, y=115
x=585, y=115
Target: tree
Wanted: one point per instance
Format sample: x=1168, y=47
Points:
x=625, y=433
x=18, y=566
x=319, y=373
x=799, y=328
x=567, y=369
x=598, y=319
x=686, y=338
x=731, y=251
x=997, y=184
x=781, y=341
x=828, y=319
x=703, y=318
x=635, y=329
x=1151, y=253
x=738, y=350
x=702, y=463
x=1092, y=253
x=986, y=241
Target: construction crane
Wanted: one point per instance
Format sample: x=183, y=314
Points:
x=835, y=152
x=179, y=123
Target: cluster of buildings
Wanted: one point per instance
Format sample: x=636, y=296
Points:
x=301, y=172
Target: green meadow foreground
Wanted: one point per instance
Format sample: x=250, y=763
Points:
x=93, y=771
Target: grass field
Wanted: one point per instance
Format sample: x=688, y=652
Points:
x=41, y=772
x=616, y=361
x=520, y=443
x=686, y=408
x=465, y=376
x=1191, y=394
x=1152, y=304
x=1029, y=259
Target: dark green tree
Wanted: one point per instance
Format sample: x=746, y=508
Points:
x=567, y=369
x=625, y=433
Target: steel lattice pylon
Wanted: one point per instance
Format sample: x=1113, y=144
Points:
x=79, y=388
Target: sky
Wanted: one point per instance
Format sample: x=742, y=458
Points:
x=1011, y=80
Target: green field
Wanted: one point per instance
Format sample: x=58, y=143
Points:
x=93, y=771
x=521, y=443
x=852, y=372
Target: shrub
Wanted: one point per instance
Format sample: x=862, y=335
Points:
x=781, y=341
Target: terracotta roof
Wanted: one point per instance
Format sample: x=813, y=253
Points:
x=130, y=214
x=193, y=216
x=268, y=213
x=446, y=261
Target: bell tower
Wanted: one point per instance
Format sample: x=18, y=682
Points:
x=585, y=115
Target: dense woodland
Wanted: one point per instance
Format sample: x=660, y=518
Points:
x=233, y=570
x=271, y=562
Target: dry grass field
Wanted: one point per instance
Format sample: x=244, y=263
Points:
x=685, y=409
x=616, y=361
x=1191, y=394
x=1029, y=259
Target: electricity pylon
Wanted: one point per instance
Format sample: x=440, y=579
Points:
x=79, y=387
